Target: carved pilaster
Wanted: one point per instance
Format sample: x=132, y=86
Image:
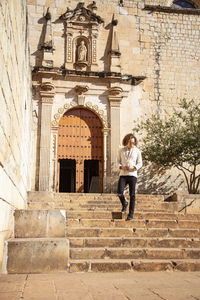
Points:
x=106, y=132
x=114, y=97
x=47, y=92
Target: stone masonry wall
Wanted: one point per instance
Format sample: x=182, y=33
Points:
x=16, y=112
x=161, y=45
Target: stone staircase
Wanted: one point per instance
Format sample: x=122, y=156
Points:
x=94, y=236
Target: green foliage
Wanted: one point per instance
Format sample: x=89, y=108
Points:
x=174, y=141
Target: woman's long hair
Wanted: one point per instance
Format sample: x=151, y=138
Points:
x=127, y=138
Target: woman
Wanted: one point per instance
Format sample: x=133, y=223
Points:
x=130, y=161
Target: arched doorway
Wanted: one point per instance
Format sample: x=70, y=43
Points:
x=80, y=152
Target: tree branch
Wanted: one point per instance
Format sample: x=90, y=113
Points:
x=197, y=184
x=178, y=167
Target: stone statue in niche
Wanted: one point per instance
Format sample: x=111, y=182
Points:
x=82, y=52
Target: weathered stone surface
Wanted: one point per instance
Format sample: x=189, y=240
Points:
x=188, y=266
x=153, y=241
x=40, y=223
x=85, y=253
x=110, y=266
x=79, y=267
x=137, y=253
x=184, y=233
x=151, y=266
x=134, y=242
x=188, y=203
x=37, y=255
x=16, y=115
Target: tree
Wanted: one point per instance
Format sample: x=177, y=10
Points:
x=175, y=142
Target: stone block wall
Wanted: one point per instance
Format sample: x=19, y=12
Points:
x=161, y=45
x=16, y=114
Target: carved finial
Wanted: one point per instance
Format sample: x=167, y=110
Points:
x=48, y=15
x=114, y=21
x=80, y=5
x=115, y=44
x=115, y=65
x=47, y=43
x=121, y=3
x=92, y=6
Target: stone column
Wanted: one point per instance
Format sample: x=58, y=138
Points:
x=115, y=98
x=105, y=169
x=54, y=131
x=47, y=96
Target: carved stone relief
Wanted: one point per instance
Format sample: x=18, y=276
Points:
x=81, y=32
x=73, y=104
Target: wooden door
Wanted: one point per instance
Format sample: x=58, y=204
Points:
x=80, y=137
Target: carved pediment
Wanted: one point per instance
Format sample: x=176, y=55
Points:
x=82, y=15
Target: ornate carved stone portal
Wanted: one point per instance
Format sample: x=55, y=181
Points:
x=81, y=28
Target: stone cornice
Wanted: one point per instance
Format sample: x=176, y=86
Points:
x=172, y=10
x=73, y=74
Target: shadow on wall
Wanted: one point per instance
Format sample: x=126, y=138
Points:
x=155, y=180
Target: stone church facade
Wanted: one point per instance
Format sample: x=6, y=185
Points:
x=96, y=67
x=114, y=61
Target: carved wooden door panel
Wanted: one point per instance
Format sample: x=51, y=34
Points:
x=80, y=138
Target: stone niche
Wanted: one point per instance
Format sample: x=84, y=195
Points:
x=81, y=29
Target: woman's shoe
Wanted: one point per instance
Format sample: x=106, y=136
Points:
x=129, y=218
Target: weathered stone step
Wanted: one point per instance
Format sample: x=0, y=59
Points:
x=132, y=232
x=114, y=202
x=140, y=265
x=137, y=215
x=163, y=205
x=41, y=255
x=134, y=242
x=39, y=223
x=168, y=207
x=50, y=196
x=133, y=223
x=134, y=253
x=75, y=207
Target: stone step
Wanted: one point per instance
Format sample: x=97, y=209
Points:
x=152, y=223
x=134, y=242
x=166, y=207
x=41, y=255
x=46, y=196
x=140, y=265
x=132, y=232
x=68, y=205
x=100, y=200
x=39, y=223
x=137, y=215
x=134, y=253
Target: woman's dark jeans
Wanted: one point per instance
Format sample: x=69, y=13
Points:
x=131, y=181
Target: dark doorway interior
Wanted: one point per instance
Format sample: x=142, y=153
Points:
x=67, y=176
x=91, y=176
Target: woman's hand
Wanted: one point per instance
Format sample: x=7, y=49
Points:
x=131, y=168
x=127, y=168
